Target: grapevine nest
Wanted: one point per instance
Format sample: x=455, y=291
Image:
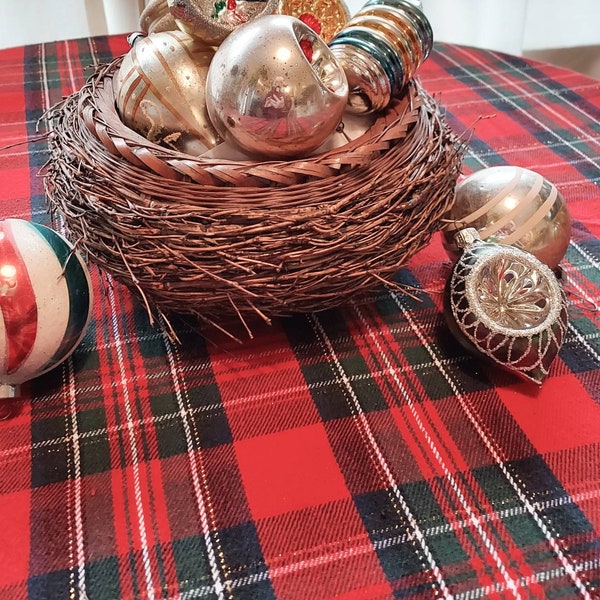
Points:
x=222, y=239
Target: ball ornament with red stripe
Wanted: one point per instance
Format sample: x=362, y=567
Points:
x=45, y=301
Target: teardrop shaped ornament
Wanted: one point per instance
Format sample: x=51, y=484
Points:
x=503, y=303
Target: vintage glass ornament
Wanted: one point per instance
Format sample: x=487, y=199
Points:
x=504, y=304
x=212, y=22
x=514, y=206
x=160, y=91
x=266, y=95
x=380, y=49
x=45, y=299
x=325, y=18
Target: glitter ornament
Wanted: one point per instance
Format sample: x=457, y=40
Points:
x=324, y=18
x=212, y=22
x=504, y=304
x=156, y=17
x=513, y=206
x=45, y=300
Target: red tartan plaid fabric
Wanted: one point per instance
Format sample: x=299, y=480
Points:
x=353, y=454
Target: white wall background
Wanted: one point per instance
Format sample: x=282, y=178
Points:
x=510, y=25
x=33, y=21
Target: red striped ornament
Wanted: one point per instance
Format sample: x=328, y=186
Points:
x=45, y=300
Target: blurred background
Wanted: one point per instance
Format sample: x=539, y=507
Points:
x=564, y=33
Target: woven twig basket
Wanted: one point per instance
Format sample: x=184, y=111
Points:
x=221, y=238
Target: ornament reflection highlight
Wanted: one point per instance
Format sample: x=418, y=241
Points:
x=275, y=89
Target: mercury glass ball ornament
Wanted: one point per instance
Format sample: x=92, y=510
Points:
x=512, y=206
x=275, y=89
x=159, y=91
x=45, y=300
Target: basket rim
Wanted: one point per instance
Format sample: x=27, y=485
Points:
x=96, y=105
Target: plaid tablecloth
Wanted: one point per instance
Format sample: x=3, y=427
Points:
x=353, y=454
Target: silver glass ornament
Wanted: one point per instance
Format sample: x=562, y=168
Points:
x=506, y=305
x=275, y=89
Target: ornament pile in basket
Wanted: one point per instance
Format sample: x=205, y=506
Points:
x=244, y=237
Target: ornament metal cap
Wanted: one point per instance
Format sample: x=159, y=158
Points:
x=9, y=391
x=466, y=237
x=132, y=38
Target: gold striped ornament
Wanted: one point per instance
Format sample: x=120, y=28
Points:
x=160, y=91
x=512, y=206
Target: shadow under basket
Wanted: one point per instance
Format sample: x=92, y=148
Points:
x=221, y=239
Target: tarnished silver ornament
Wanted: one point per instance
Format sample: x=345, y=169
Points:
x=505, y=304
x=275, y=89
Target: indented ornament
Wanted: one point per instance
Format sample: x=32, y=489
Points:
x=159, y=91
x=507, y=305
x=325, y=18
x=514, y=206
x=45, y=301
x=275, y=89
